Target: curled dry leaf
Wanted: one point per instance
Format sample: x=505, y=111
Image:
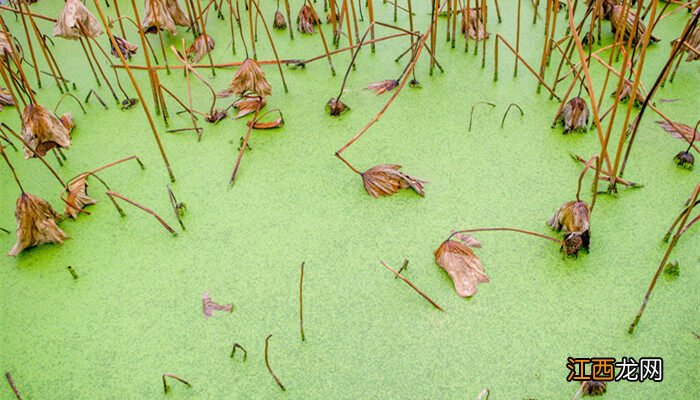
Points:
x=43, y=131
x=163, y=15
x=467, y=239
x=472, y=27
x=77, y=197
x=248, y=105
x=383, y=86
x=279, y=22
x=306, y=20
x=199, y=48
x=216, y=116
x=680, y=131
x=616, y=22
x=76, y=21
x=276, y=123
x=574, y=115
x=36, y=224
x=574, y=218
x=249, y=79
x=208, y=306
x=6, y=98
x=684, y=159
x=128, y=49
x=593, y=388
x=386, y=180
x=463, y=266
x=336, y=107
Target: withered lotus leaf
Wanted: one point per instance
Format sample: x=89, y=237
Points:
x=6, y=98
x=128, y=49
x=76, y=21
x=5, y=47
x=383, y=86
x=626, y=92
x=249, y=79
x=276, y=123
x=42, y=130
x=77, y=197
x=163, y=15
x=199, y=48
x=336, y=107
x=616, y=22
x=36, y=224
x=693, y=40
x=208, y=306
x=462, y=265
x=279, y=21
x=573, y=217
x=593, y=388
x=306, y=20
x=386, y=180
x=472, y=27
x=684, y=159
x=574, y=115
x=248, y=105
x=680, y=131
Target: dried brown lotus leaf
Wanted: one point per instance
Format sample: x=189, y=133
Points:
x=680, y=131
x=462, y=265
x=77, y=197
x=163, y=15
x=306, y=20
x=36, y=224
x=574, y=115
x=43, y=131
x=249, y=78
x=387, y=179
x=628, y=25
x=382, y=87
x=248, y=105
x=128, y=49
x=76, y=22
x=199, y=48
x=279, y=22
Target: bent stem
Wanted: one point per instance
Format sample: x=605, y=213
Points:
x=414, y=287
x=580, y=177
x=166, y=387
x=243, y=147
x=267, y=363
x=471, y=113
x=12, y=168
x=508, y=109
x=113, y=194
x=272, y=43
x=238, y=346
x=694, y=198
x=74, y=98
x=509, y=230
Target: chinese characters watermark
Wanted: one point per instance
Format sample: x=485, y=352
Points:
x=605, y=369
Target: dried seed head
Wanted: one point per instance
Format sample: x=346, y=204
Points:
x=279, y=21
x=43, y=131
x=383, y=86
x=414, y=83
x=574, y=115
x=163, y=15
x=593, y=388
x=616, y=22
x=336, y=107
x=574, y=218
x=472, y=27
x=249, y=105
x=36, y=224
x=684, y=159
x=306, y=20
x=76, y=21
x=463, y=266
x=249, y=79
x=6, y=98
x=127, y=49
x=386, y=180
x=199, y=48
x=77, y=197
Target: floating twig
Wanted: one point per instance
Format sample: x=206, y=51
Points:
x=267, y=361
x=166, y=387
x=301, y=302
x=113, y=194
x=72, y=272
x=471, y=113
x=12, y=385
x=414, y=287
x=508, y=109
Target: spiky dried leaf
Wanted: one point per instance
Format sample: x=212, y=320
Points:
x=76, y=21
x=472, y=27
x=628, y=25
x=163, y=15
x=128, y=49
x=462, y=265
x=574, y=218
x=77, y=197
x=336, y=107
x=383, y=86
x=249, y=79
x=36, y=224
x=386, y=180
x=574, y=115
x=306, y=20
x=279, y=22
x=199, y=48
x=680, y=131
x=248, y=105
x=42, y=130
x=208, y=306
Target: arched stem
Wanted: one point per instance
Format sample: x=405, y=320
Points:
x=509, y=230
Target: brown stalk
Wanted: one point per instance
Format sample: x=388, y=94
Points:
x=289, y=19
x=371, y=22
x=8, y=85
x=272, y=43
x=138, y=91
x=267, y=361
x=12, y=168
x=72, y=273
x=20, y=11
x=301, y=302
x=414, y=287
x=166, y=387
x=113, y=194
x=12, y=385
x=243, y=147
x=517, y=55
x=31, y=50
x=24, y=142
x=238, y=346
x=153, y=76
x=203, y=25
x=509, y=230
x=687, y=209
x=694, y=198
